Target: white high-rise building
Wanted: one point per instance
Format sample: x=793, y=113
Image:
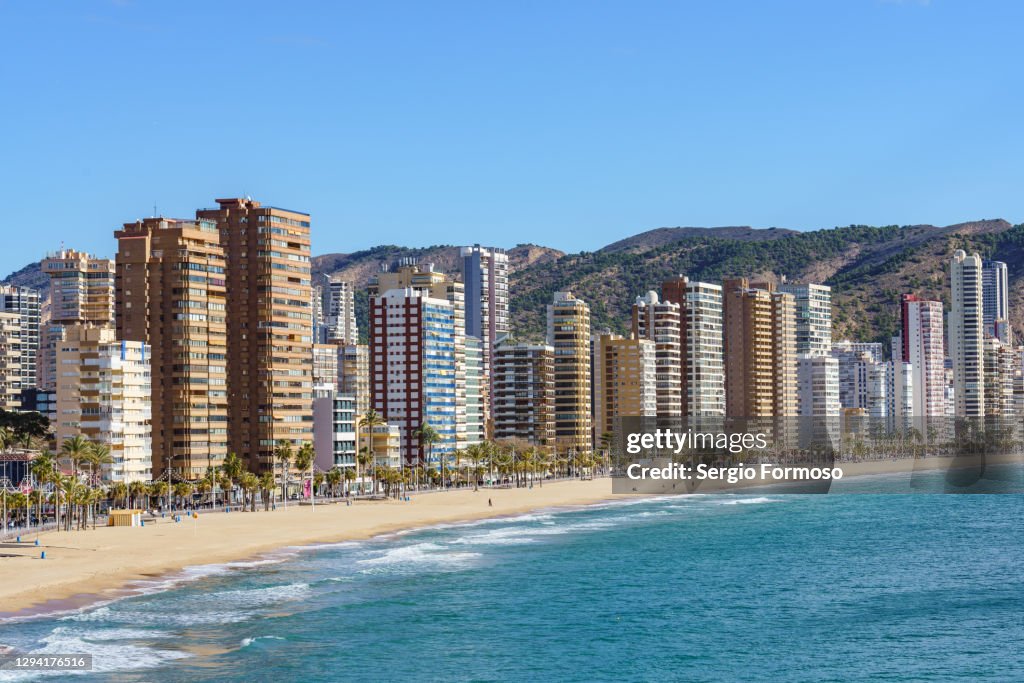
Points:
x=104, y=394
x=900, y=392
x=818, y=385
x=659, y=321
x=26, y=303
x=814, y=339
x=340, y=312
x=858, y=376
x=10, y=361
x=701, y=320
x=966, y=334
x=921, y=343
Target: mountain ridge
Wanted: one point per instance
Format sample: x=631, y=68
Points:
x=868, y=268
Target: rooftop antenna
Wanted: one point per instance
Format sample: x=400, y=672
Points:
x=154, y=209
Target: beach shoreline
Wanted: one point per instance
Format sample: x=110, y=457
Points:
x=83, y=568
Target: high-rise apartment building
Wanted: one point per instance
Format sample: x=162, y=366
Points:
x=476, y=393
x=568, y=331
x=900, y=396
x=813, y=338
x=624, y=381
x=26, y=303
x=354, y=375
x=170, y=285
x=760, y=350
x=325, y=366
x=995, y=293
x=818, y=385
x=81, y=293
x=340, y=311
x=857, y=361
x=270, y=326
x=413, y=369
x=701, y=320
x=10, y=361
x=485, y=276
x=104, y=390
x=659, y=321
x=921, y=343
x=966, y=334
x=524, y=392
x=1002, y=366
x=424, y=278
x=813, y=317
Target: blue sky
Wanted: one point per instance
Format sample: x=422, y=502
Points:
x=570, y=124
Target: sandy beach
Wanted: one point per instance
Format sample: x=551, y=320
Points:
x=86, y=566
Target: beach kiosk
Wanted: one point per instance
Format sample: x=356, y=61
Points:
x=125, y=518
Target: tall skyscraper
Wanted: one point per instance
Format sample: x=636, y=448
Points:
x=921, y=344
x=813, y=317
x=485, y=276
x=819, y=387
x=170, y=285
x=624, y=381
x=10, y=361
x=413, y=369
x=424, y=278
x=524, y=392
x=104, y=394
x=81, y=293
x=760, y=350
x=26, y=303
x=703, y=374
x=995, y=291
x=966, y=334
x=340, y=312
x=476, y=392
x=569, y=334
x=270, y=325
x=659, y=321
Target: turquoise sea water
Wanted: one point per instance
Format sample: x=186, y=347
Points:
x=699, y=588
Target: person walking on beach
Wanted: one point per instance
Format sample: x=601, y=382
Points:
x=490, y=504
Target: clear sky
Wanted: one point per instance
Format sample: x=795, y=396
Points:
x=570, y=124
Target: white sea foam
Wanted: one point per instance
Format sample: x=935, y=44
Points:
x=246, y=642
x=747, y=501
x=108, y=654
x=418, y=555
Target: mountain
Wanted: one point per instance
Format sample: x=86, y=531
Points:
x=660, y=237
x=867, y=267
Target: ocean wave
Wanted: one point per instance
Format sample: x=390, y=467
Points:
x=747, y=501
x=246, y=642
x=415, y=556
x=108, y=654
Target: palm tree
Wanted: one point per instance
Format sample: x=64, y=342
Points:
x=267, y=486
x=350, y=476
x=118, y=492
x=97, y=457
x=42, y=469
x=304, y=462
x=183, y=490
x=76, y=449
x=250, y=483
x=370, y=420
x=333, y=479
x=363, y=459
x=428, y=436
x=158, y=489
x=232, y=470
x=283, y=455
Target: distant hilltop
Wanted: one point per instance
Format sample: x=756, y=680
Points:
x=867, y=267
